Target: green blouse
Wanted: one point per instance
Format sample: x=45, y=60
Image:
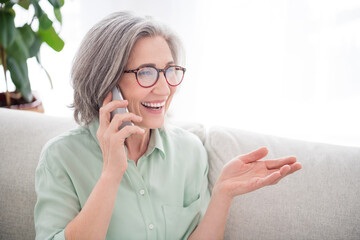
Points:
x=164, y=196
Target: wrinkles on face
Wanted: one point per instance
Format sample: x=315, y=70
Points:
x=167, y=104
x=134, y=107
x=154, y=51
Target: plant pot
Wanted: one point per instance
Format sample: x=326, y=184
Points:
x=18, y=102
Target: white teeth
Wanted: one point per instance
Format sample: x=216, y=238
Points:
x=153, y=104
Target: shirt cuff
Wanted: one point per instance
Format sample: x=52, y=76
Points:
x=60, y=235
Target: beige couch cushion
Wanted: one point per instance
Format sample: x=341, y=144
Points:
x=319, y=202
x=23, y=134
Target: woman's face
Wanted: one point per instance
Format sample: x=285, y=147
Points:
x=153, y=51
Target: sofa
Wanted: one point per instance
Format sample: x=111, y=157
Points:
x=321, y=201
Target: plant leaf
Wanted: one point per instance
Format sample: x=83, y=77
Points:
x=24, y=3
x=55, y=3
x=27, y=35
x=47, y=74
x=19, y=75
x=51, y=38
x=10, y=4
x=7, y=30
x=45, y=22
x=38, y=10
x=4, y=1
x=35, y=47
x=58, y=14
x=18, y=49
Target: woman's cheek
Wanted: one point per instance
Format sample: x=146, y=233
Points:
x=168, y=102
x=133, y=107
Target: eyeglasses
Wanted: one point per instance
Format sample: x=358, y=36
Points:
x=148, y=76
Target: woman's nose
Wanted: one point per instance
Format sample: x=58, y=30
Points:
x=162, y=87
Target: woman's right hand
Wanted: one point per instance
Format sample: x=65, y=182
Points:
x=112, y=139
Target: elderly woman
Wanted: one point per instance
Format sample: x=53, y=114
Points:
x=142, y=181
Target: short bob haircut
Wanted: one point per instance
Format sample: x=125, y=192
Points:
x=103, y=56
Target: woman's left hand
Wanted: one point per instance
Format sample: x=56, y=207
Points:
x=246, y=173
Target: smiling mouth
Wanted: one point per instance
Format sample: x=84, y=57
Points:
x=153, y=106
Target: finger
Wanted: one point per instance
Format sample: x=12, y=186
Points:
x=254, y=155
x=295, y=167
x=103, y=120
x=105, y=110
x=292, y=168
x=284, y=170
x=111, y=106
x=126, y=132
x=268, y=180
x=278, y=163
x=120, y=118
x=107, y=99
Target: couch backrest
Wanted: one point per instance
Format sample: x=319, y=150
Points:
x=22, y=135
x=321, y=201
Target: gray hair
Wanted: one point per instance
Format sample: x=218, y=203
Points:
x=103, y=56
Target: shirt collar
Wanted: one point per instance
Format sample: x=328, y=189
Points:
x=155, y=141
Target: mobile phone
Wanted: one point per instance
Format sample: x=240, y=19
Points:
x=116, y=95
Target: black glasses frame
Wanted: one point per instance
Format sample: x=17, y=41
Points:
x=135, y=71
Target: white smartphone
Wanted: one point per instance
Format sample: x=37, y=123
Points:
x=116, y=95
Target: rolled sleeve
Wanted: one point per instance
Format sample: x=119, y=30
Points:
x=57, y=203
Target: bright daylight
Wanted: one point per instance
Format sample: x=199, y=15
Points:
x=194, y=119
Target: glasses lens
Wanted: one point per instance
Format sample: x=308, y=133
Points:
x=147, y=76
x=174, y=75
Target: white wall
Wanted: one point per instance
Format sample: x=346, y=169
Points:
x=287, y=68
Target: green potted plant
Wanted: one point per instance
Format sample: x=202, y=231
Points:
x=17, y=44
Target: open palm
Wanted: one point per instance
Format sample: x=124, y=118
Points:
x=246, y=173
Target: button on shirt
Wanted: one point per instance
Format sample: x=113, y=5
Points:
x=164, y=196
